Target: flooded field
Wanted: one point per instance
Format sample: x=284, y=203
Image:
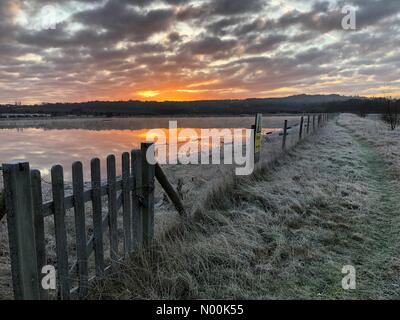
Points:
x=62, y=141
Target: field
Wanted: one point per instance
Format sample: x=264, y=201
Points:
x=287, y=231
x=284, y=232
x=194, y=182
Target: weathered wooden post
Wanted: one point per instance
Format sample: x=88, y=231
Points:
x=308, y=124
x=126, y=207
x=257, y=128
x=137, y=212
x=170, y=191
x=301, y=128
x=112, y=209
x=148, y=173
x=284, y=135
x=38, y=220
x=80, y=230
x=20, y=220
x=97, y=217
x=57, y=184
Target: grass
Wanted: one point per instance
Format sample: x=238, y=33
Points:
x=286, y=231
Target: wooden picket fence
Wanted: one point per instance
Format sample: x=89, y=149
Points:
x=131, y=193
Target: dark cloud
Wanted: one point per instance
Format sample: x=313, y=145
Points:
x=123, y=21
x=266, y=44
x=324, y=18
x=210, y=48
x=236, y=7
x=210, y=45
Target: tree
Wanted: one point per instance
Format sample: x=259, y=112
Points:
x=391, y=115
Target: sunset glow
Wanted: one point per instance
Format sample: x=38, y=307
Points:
x=195, y=50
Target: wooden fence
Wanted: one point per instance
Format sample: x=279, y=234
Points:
x=130, y=194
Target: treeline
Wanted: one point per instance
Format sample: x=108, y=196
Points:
x=298, y=104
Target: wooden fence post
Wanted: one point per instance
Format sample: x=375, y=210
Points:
x=308, y=124
x=170, y=191
x=57, y=181
x=148, y=173
x=301, y=128
x=112, y=209
x=137, y=213
x=126, y=203
x=284, y=135
x=97, y=217
x=38, y=218
x=80, y=229
x=20, y=220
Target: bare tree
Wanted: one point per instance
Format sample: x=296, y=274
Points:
x=391, y=115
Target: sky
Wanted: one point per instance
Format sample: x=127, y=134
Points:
x=86, y=50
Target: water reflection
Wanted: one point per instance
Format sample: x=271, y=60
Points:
x=51, y=142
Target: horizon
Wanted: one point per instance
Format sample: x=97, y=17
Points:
x=179, y=101
x=174, y=50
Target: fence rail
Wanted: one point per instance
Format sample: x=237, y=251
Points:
x=132, y=192
x=130, y=195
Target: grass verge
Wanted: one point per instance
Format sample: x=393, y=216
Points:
x=284, y=232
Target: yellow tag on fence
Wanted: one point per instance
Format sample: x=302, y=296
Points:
x=257, y=138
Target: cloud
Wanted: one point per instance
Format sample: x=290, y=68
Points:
x=123, y=21
x=115, y=49
x=210, y=45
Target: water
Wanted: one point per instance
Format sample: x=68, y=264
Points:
x=45, y=143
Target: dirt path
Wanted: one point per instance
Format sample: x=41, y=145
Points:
x=380, y=256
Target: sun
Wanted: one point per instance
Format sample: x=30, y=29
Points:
x=148, y=94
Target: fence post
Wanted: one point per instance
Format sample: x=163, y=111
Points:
x=112, y=209
x=20, y=220
x=170, y=191
x=57, y=184
x=301, y=128
x=284, y=135
x=97, y=217
x=126, y=204
x=137, y=212
x=38, y=220
x=148, y=173
x=308, y=124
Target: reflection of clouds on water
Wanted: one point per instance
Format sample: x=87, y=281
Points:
x=44, y=147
